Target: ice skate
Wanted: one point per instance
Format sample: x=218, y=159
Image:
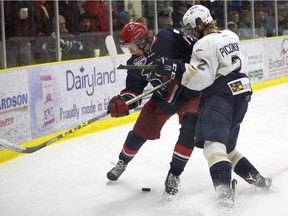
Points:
x=225, y=195
x=116, y=171
x=262, y=182
x=172, y=184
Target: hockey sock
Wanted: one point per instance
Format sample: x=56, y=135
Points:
x=180, y=158
x=220, y=165
x=185, y=145
x=131, y=146
x=221, y=173
x=246, y=170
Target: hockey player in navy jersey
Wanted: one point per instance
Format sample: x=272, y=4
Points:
x=164, y=103
x=215, y=70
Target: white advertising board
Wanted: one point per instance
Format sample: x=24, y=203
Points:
x=44, y=99
x=276, y=57
x=14, y=106
x=67, y=94
x=253, y=65
x=265, y=59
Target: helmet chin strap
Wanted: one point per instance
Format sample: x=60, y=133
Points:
x=143, y=47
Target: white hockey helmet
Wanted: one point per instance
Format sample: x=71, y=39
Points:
x=195, y=13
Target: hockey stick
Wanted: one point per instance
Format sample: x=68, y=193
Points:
x=111, y=48
x=18, y=148
x=138, y=67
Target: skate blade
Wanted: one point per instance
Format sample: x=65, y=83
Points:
x=168, y=197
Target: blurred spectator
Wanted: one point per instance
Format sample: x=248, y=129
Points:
x=234, y=17
x=62, y=26
x=245, y=25
x=233, y=27
x=84, y=23
x=114, y=14
x=265, y=25
x=217, y=12
x=98, y=14
x=164, y=19
x=69, y=9
x=142, y=20
x=282, y=17
x=21, y=29
x=44, y=14
x=87, y=37
x=123, y=19
x=20, y=18
x=180, y=9
x=166, y=6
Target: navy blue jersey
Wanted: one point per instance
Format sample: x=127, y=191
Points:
x=169, y=43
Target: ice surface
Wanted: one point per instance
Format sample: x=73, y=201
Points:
x=69, y=179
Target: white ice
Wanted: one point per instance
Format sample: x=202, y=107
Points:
x=69, y=179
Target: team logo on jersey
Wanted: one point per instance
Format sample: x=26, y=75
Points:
x=240, y=86
x=140, y=60
x=147, y=74
x=236, y=86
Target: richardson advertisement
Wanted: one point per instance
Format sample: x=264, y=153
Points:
x=67, y=94
x=14, y=107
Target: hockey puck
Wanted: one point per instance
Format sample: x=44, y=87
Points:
x=146, y=189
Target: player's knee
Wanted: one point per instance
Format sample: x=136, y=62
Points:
x=187, y=131
x=188, y=125
x=188, y=119
x=133, y=141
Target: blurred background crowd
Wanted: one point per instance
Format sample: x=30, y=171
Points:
x=35, y=32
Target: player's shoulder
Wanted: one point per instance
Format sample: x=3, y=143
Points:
x=229, y=33
x=171, y=35
x=219, y=37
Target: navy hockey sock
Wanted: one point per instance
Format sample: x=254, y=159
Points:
x=185, y=145
x=221, y=173
x=131, y=146
x=180, y=158
x=246, y=170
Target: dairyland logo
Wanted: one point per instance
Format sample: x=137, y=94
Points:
x=88, y=81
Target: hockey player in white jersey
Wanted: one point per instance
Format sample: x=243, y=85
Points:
x=215, y=70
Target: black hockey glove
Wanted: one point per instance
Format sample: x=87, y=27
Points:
x=167, y=67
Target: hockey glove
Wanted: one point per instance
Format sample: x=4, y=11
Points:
x=167, y=67
x=117, y=107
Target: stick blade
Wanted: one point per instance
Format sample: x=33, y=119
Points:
x=111, y=48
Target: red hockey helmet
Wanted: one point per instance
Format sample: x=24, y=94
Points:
x=134, y=32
